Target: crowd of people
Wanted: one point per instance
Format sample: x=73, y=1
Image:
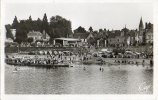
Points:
x=45, y=59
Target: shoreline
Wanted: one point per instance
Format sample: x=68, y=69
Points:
x=92, y=60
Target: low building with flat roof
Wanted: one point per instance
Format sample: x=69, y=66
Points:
x=66, y=42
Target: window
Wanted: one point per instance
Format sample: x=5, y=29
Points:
x=149, y=42
x=148, y=36
x=85, y=40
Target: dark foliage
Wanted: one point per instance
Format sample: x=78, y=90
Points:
x=15, y=23
x=58, y=27
x=8, y=32
x=30, y=40
x=80, y=30
x=90, y=29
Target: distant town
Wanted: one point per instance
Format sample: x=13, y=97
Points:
x=58, y=32
x=89, y=48
x=40, y=37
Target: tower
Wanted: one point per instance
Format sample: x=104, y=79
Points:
x=141, y=26
x=141, y=32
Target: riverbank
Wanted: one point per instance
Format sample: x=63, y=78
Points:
x=118, y=61
x=16, y=57
x=29, y=49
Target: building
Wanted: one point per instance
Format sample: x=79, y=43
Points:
x=131, y=41
x=13, y=31
x=125, y=37
x=101, y=38
x=141, y=32
x=45, y=36
x=144, y=35
x=38, y=36
x=117, y=38
x=66, y=42
x=85, y=38
x=149, y=33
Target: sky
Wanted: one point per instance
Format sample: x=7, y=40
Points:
x=98, y=15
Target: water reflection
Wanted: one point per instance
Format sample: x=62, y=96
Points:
x=75, y=80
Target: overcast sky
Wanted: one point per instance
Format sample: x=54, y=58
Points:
x=98, y=15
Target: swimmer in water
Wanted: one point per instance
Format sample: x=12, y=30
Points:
x=16, y=69
x=102, y=69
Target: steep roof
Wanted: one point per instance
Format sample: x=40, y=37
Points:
x=141, y=23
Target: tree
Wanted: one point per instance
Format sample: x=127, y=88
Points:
x=15, y=23
x=59, y=27
x=90, y=29
x=37, y=25
x=100, y=30
x=30, y=18
x=29, y=23
x=80, y=30
x=30, y=40
x=8, y=32
x=45, y=25
x=21, y=32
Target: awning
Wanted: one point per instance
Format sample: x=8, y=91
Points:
x=67, y=39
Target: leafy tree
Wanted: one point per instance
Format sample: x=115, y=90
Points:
x=59, y=27
x=15, y=23
x=21, y=32
x=90, y=29
x=39, y=24
x=30, y=18
x=45, y=25
x=30, y=40
x=100, y=30
x=8, y=32
x=80, y=30
x=29, y=24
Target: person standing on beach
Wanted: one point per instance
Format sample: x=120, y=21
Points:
x=143, y=62
x=84, y=68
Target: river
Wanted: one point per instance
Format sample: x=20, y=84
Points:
x=120, y=79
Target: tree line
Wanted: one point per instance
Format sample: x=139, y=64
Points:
x=57, y=27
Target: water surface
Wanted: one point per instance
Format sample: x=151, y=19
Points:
x=121, y=79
